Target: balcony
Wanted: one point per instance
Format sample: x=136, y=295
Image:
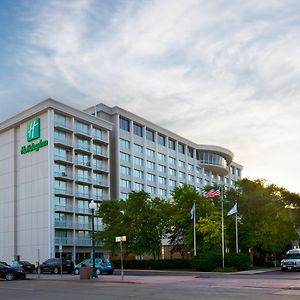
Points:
x=64, y=208
x=83, y=195
x=100, y=152
x=64, y=192
x=83, y=179
x=64, y=224
x=82, y=147
x=64, y=142
x=64, y=241
x=102, y=137
x=102, y=167
x=62, y=158
x=83, y=241
x=83, y=163
x=82, y=210
x=65, y=175
x=67, y=125
x=213, y=162
x=101, y=182
x=83, y=226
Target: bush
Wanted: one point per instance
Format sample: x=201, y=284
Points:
x=208, y=261
x=239, y=261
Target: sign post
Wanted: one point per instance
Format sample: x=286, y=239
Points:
x=120, y=239
x=60, y=256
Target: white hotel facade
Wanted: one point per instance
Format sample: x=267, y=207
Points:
x=54, y=159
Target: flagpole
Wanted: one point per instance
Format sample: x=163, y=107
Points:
x=222, y=211
x=195, y=250
x=236, y=234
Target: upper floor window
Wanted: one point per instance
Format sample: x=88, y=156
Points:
x=181, y=148
x=98, y=133
x=172, y=160
x=138, y=173
x=83, y=128
x=124, y=144
x=190, y=151
x=172, y=144
x=125, y=170
x=150, y=152
x=190, y=167
x=232, y=170
x=138, y=148
x=124, y=156
x=61, y=120
x=181, y=164
x=161, y=156
x=150, y=134
x=138, y=161
x=124, y=123
x=150, y=165
x=162, y=169
x=138, y=186
x=125, y=184
x=161, y=139
x=137, y=129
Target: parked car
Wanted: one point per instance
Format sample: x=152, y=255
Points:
x=4, y=263
x=25, y=265
x=291, y=260
x=10, y=273
x=53, y=265
x=102, y=265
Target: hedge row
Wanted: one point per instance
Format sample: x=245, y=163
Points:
x=203, y=262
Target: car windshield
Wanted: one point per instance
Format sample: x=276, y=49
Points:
x=293, y=256
x=3, y=266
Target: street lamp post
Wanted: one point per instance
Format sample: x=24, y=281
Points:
x=93, y=206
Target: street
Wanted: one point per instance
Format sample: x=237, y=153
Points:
x=157, y=285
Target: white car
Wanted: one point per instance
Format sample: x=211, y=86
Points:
x=291, y=260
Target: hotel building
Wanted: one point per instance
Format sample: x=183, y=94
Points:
x=55, y=159
x=145, y=156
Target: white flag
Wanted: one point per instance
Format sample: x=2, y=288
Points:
x=233, y=210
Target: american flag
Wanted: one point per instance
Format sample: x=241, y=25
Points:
x=212, y=193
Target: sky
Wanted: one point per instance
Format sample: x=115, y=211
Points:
x=217, y=72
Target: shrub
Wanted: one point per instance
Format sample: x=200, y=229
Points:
x=206, y=262
x=240, y=261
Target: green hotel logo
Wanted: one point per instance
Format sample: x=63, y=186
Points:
x=33, y=129
x=33, y=133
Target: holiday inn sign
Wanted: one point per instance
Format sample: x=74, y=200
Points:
x=33, y=133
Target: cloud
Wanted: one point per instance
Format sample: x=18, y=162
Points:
x=222, y=72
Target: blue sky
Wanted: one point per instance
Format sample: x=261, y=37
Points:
x=216, y=72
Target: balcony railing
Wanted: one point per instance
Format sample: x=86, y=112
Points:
x=65, y=208
x=63, y=174
x=83, y=226
x=67, y=142
x=64, y=241
x=103, y=167
x=83, y=179
x=83, y=163
x=60, y=191
x=101, y=152
x=64, y=224
x=65, y=125
x=67, y=158
x=82, y=210
x=101, y=137
x=101, y=182
x=83, y=147
x=83, y=195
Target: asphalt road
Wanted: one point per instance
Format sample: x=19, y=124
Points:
x=157, y=285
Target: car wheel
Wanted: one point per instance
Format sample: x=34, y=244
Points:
x=9, y=276
x=55, y=270
x=76, y=271
x=98, y=271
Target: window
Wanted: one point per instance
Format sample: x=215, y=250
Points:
x=98, y=149
x=124, y=196
x=190, y=167
x=138, y=174
x=82, y=190
x=199, y=180
x=125, y=184
x=238, y=172
x=138, y=186
x=198, y=170
x=172, y=160
x=181, y=175
x=97, y=178
x=138, y=148
x=83, y=159
x=190, y=177
x=172, y=172
x=97, y=163
x=60, y=185
x=181, y=148
x=137, y=129
x=172, y=144
x=97, y=193
x=124, y=144
x=125, y=170
x=82, y=174
x=150, y=165
x=161, y=156
x=161, y=139
x=162, y=169
x=83, y=144
x=60, y=152
x=98, y=133
x=172, y=183
x=151, y=189
x=190, y=151
x=150, y=135
x=162, y=180
x=150, y=152
x=60, y=135
x=124, y=124
x=60, y=203
x=232, y=170
x=124, y=157
x=162, y=192
x=150, y=177
x=61, y=120
x=138, y=161
x=60, y=170
x=83, y=128
x=181, y=164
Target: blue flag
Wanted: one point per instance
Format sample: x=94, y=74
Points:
x=192, y=212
